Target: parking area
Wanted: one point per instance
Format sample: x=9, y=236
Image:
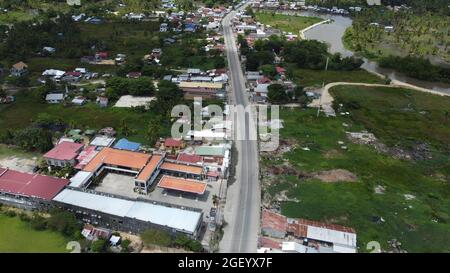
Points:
x=123, y=185
x=119, y=184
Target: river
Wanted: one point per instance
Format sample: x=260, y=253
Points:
x=332, y=34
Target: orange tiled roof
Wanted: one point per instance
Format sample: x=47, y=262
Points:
x=181, y=168
x=180, y=184
x=149, y=168
x=120, y=158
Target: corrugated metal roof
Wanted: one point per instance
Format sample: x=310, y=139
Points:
x=105, y=204
x=210, y=150
x=182, y=220
x=332, y=236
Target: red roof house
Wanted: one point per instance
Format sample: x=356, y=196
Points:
x=170, y=143
x=280, y=70
x=63, y=154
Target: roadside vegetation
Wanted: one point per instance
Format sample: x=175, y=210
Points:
x=159, y=238
x=400, y=191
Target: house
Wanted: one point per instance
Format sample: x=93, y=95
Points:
x=72, y=76
x=55, y=98
x=190, y=27
x=200, y=89
x=125, y=144
x=134, y=75
x=79, y=100
x=172, y=143
x=262, y=89
x=49, y=50
x=100, y=56
x=19, y=69
x=102, y=101
x=63, y=154
x=280, y=70
x=163, y=27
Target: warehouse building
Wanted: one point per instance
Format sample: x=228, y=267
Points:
x=128, y=215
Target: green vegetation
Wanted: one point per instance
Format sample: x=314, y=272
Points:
x=396, y=117
x=19, y=236
x=156, y=237
x=420, y=35
x=27, y=109
x=309, y=77
x=286, y=23
x=6, y=151
x=417, y=68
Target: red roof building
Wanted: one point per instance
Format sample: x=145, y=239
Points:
x=188, y=158
x=63, y=154
x=30, y=185
x=170, y=143
x=280, y=70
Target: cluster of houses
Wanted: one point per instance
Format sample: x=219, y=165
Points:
x=186, y=166
x=301, y=5
x=197, y=83
x=280, y=234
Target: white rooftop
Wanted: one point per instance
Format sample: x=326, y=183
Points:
x=102, y=141
x=179, y=219
x=79, y=179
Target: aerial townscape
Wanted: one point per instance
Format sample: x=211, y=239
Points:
x=141, y=126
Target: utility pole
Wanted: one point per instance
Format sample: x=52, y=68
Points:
x=323, y=86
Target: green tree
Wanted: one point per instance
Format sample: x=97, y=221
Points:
x=277, y=94
x=98, y=246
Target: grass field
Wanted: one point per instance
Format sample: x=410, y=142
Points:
x=26, y=109
x=286, y=23
x=6, y=151
x=420, y=224
x=18, y=236
x=308, y=77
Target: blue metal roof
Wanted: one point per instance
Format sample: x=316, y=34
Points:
x=125, y=144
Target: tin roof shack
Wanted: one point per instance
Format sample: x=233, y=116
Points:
x=28, y=191
x=333, y=238
x=63, y=154
x=273, y=224
x=127, y=215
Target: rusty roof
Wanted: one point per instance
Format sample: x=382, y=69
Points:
x=181, y=184
x=273, y=221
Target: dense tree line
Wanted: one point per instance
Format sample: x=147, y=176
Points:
x=415, y=67
x=279, y=95
x=30, y=139
x=26, y=39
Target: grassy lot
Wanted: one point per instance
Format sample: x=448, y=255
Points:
x=285, y=22
x=18, y=236
x=6, y=151
x=26, y=109
x=420, y=224
x=308, y=77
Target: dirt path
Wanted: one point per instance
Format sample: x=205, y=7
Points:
x=326, y=100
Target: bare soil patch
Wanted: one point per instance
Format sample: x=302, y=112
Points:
x=338, y=175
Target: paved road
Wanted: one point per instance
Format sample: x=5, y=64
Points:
x=244, y=195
